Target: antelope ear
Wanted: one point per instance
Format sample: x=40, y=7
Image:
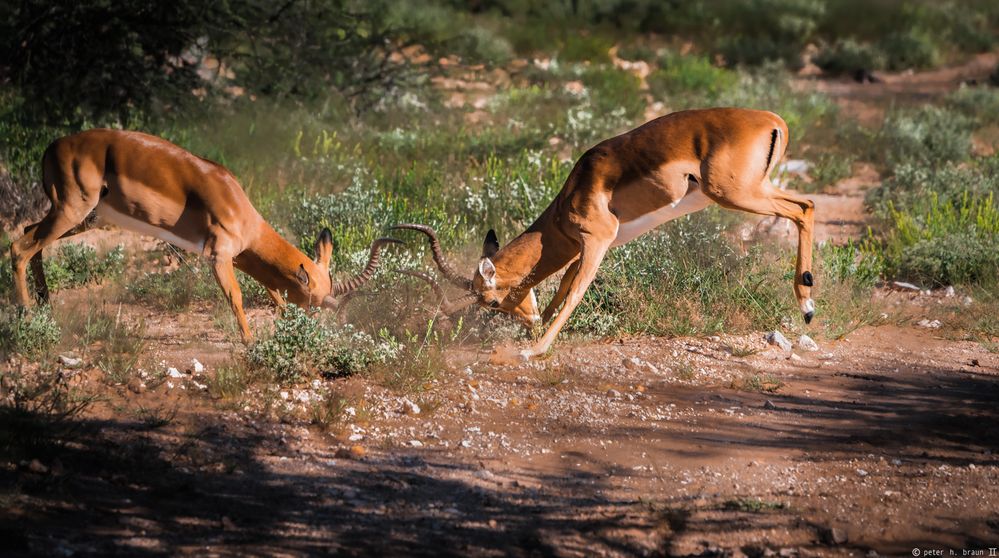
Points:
x=302, y=275
x=491, y=245
x=324, y=248
x=488, y=272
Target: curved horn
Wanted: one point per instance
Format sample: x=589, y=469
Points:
x=447, y=306
x=435, y=248
x=343, y=287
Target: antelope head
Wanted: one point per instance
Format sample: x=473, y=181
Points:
x=315, y=282
x=488, y=286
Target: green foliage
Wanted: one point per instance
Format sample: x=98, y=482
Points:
x=848, y=55
x=79, y=264
x=769, y=30
x=944, y=243
x=829, y=168
x=858, y=263
x=927, y=135
x=980, y=104
x=174, y=290
x=30, y=332
x=302, y=344
x=910, y=48
x=690, y=76
x=614, y=90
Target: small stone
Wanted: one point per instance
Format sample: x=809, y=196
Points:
x=949, y=292
x=833, y=536
x=197, y=366
x=136, y=385
x=353, y=452
x=861, y=473
x=777, y=338
x=929, y=324
x=794, y=357
x=410, y=408
x=466, y=444
x=37, y=466
x=284, y=395
x=769, y=405
x=906, y=286
x=415, y=444
x=228, y=525
x=174, y=373
x=70, y=362
x=966, y=301
x=613, y=393
x=356, y=437
x=806, y=343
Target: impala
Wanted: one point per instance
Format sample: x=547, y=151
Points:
x=148, y=185
x=624, y=187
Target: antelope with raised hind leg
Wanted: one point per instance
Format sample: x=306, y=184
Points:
x=624, y=187
x=148, y=185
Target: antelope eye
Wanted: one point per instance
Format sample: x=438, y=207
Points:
x=494, y=304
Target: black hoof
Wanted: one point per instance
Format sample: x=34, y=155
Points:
x=807, y=279
x=809, y=316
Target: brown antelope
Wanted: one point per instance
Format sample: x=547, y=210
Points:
x=624, y=187
x=148, y=185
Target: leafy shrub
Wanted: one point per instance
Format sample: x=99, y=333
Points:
x=848, y=55
x=828, y=169
x=577, y=47
x=79, y=264
x=612, y=89
x=31, y=332
x=768, y=30
x=910, y=48
x=858, y=263
x=944, y=242
x=981, y=104
x=690, y=75
x=928, y=135
x=302, y=344
x=174, y=290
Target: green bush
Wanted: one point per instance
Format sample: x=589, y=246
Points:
x=690, y=75
x=30, y=332
x=910, y=49
x=927, y=136
x=79, y=264
x=302, y=344
x=943, y=241
x=585, y=48
x=981, y=104
x=848, y=55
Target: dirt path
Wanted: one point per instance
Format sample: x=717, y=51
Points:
x=642, y=446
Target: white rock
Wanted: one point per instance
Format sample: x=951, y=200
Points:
x=410, y=408
x=356, y=437
x=284, y=395
x=861, y=472
x=934, y=324
x=466, y=444
x=70, y=361
x=415, y=444
x=174, y=373
x=777, y=338
x=197, y=366
x=613, y=393
x=949, y=292
x=905, y=286
x=806, y=343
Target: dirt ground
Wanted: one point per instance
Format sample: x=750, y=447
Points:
x=875, y=444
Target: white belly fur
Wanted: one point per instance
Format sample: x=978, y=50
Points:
x=127, y=222
x=695, y=200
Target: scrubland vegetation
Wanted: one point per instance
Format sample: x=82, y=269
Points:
x=472, y=119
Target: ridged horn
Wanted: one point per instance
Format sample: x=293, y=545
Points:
x=447, y=307
x=435, y=248
x=341, y=288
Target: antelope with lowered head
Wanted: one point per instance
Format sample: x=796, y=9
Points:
x=622, y=188
x=148, y=185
